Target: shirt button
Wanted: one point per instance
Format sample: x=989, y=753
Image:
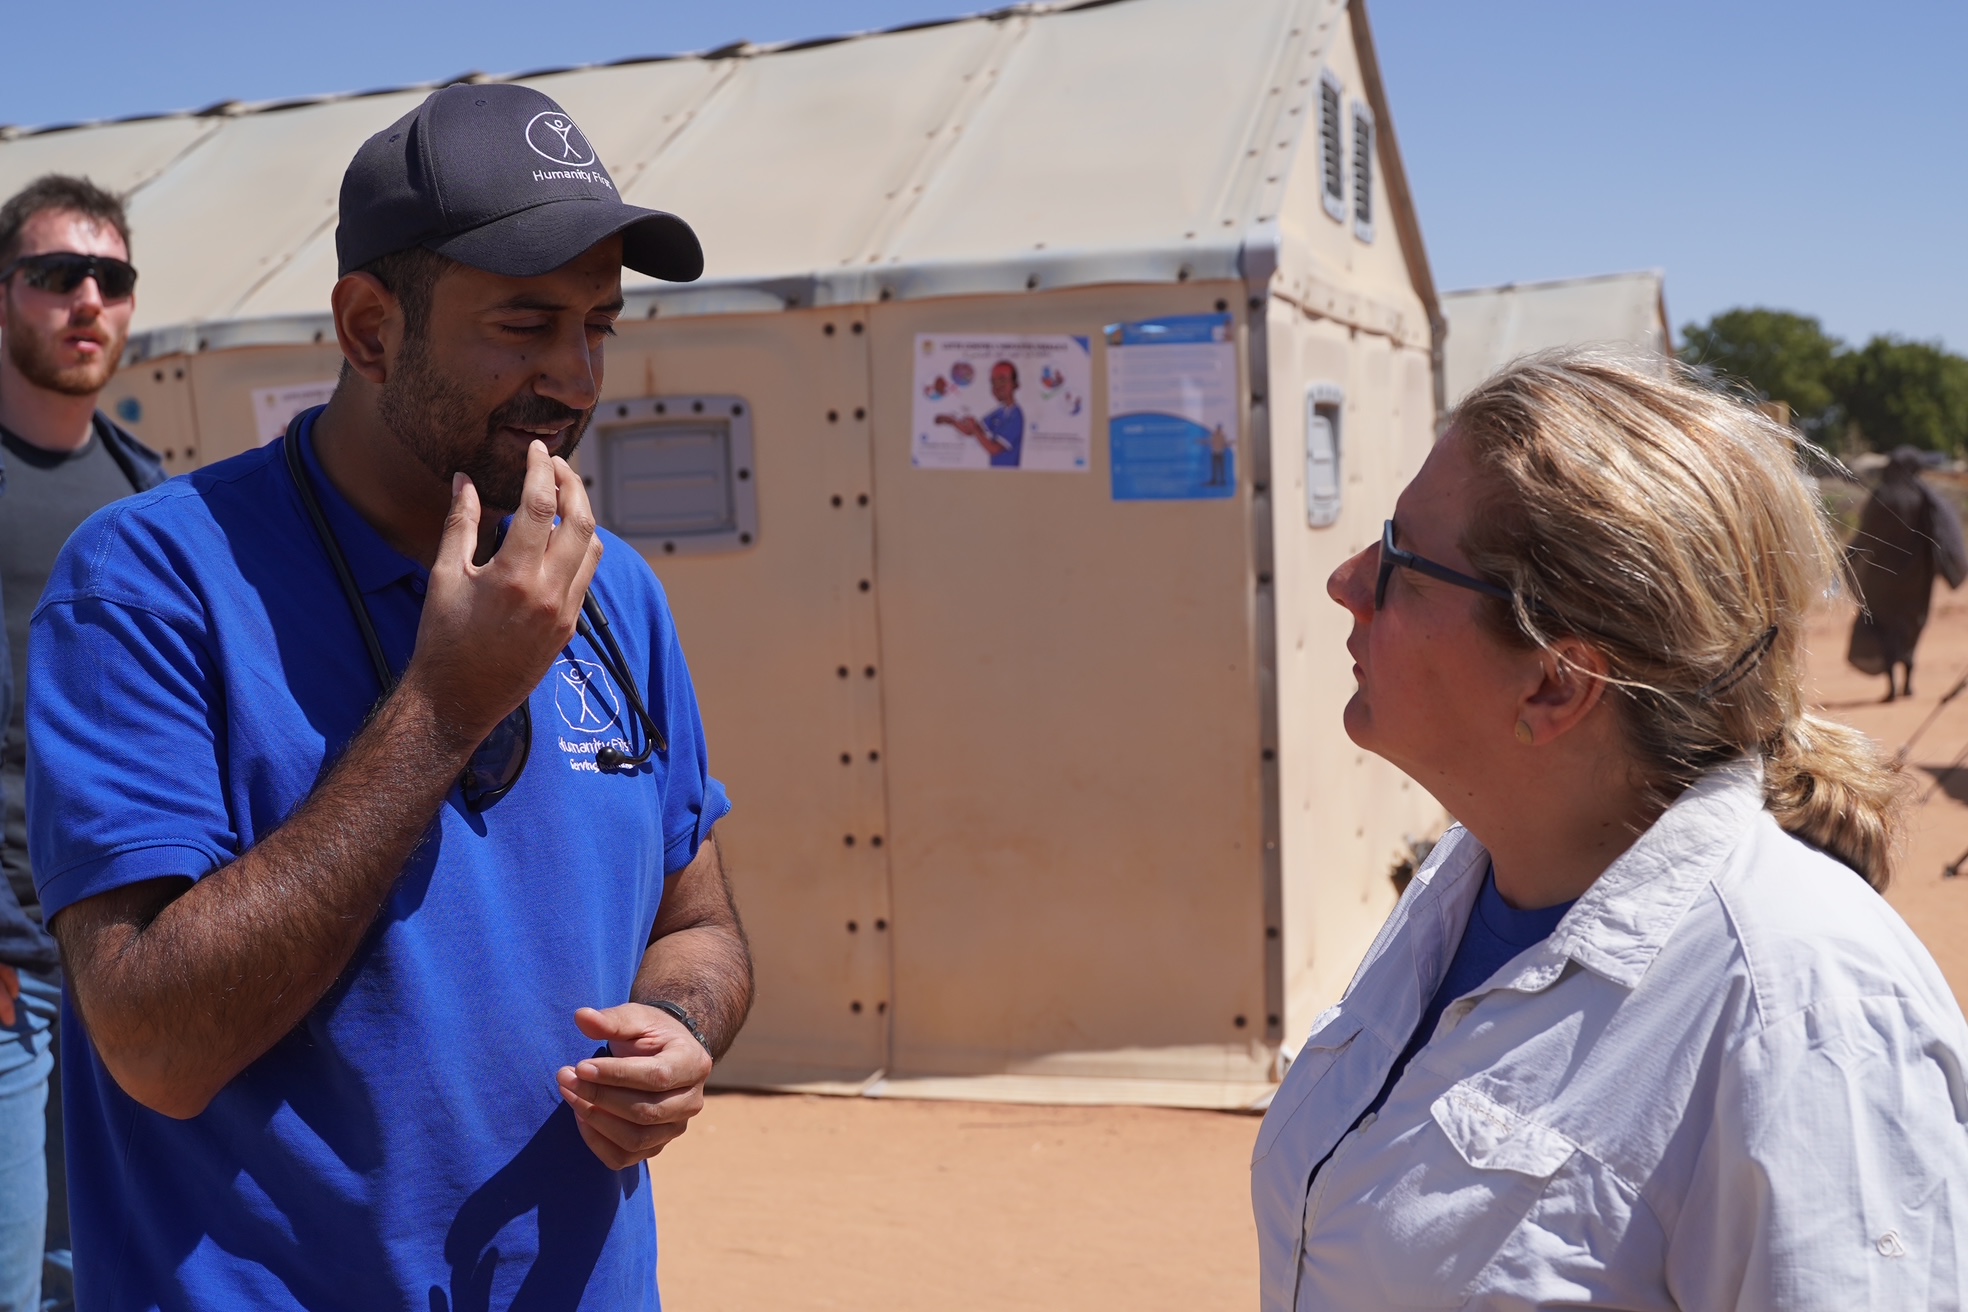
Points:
x=1369, y=1119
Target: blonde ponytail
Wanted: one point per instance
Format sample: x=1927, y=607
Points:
x=1669, y=525
x=1834, y=787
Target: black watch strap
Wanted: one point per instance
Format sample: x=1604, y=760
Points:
x=683, y=1018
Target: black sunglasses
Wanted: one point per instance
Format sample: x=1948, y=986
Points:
x=1393, y=558
x=499, y=761
x=62, y=272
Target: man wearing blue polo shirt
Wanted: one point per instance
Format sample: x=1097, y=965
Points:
x=386, y=976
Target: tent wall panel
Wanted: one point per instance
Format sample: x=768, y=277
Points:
x=223, y=383
x=767, y=630
x=1346, y=816
x=155, y=400
x=1071, y=709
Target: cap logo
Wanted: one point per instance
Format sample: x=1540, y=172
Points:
x=553, y=136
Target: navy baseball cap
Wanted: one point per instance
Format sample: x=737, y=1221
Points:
x=498, y=176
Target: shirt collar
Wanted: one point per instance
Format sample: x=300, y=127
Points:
x=374, y=562
x=1619, y=925
x=1437, y=913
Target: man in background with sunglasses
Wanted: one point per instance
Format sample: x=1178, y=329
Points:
x=67, y=291
x=370, y=802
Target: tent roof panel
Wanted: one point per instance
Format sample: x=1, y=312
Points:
x=236, y=210
x=638, y=110
x=1491, y=326
x=121, y=159
x=1111, y=127
x=792, y=166
x=1132, y=140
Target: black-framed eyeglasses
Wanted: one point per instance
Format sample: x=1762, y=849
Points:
x=62, y=272
x=495, y=766
x=1393, y=558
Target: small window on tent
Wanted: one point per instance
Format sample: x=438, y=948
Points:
x=675, y=474
x=1324, y=403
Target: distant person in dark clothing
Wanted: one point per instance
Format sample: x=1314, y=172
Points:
x=66, y=295
x=1907, y=534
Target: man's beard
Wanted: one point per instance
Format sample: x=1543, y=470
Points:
x=39, y=361
x=440, y=424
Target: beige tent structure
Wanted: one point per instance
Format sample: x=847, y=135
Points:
x=1040, y=783
x=1491, y=326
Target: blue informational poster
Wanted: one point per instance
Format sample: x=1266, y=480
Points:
x=1172, y=408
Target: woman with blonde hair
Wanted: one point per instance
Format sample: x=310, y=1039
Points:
x=1641, y=1033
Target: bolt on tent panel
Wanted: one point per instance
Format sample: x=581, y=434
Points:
x=1041, y=790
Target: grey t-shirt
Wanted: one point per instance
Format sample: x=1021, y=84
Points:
x=48, y=495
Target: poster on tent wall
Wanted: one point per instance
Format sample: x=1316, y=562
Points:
x=994, y=402
x=1172, y=408
x=273, y=407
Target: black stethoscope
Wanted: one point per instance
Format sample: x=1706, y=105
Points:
x=591, y=623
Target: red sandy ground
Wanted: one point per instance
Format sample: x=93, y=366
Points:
x=794, y=1203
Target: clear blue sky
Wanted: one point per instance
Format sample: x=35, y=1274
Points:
x=1791, y=153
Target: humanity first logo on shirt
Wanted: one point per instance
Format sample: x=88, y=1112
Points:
x=590, y=706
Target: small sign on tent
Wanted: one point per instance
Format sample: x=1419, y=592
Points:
x=274, y=407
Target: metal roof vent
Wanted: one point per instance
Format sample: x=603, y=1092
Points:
x=1332, y=147
x=1363, y=171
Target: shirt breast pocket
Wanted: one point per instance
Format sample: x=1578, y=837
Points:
x=1463, y=1199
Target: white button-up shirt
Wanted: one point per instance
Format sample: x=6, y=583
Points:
x=1730, y=1078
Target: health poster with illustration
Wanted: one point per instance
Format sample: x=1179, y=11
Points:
x=987, y=402
x=1172, y=408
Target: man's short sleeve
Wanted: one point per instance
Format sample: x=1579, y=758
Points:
x=124, y=722
x=693, y=801
x=1007, y=422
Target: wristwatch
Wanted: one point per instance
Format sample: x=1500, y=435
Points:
x=683, y=1018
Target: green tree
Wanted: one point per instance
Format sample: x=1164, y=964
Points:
x=1778, y=355
x=1899, y=392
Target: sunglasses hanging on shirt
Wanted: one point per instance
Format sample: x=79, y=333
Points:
x=496, y=764
x=62, y=272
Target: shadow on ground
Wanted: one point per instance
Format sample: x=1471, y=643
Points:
x=1950, y=779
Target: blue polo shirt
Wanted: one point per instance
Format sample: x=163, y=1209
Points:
x=1007, y=424
x=195, y=668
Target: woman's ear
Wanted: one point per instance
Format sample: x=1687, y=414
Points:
x=1573, y=679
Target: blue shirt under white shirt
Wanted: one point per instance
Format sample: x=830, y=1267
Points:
x=1730, y=1077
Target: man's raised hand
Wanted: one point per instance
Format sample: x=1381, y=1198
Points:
x=489, y=632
